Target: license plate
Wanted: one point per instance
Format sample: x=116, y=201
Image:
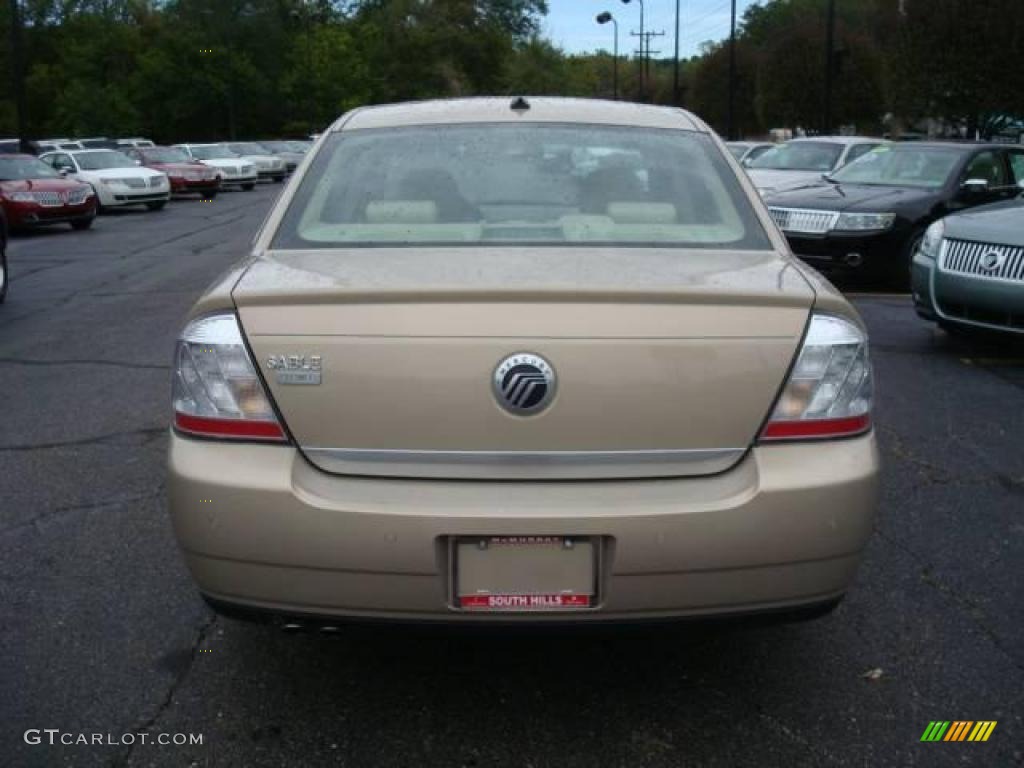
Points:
x=524, y=573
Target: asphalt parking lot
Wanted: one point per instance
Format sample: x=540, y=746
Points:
x=101, y=630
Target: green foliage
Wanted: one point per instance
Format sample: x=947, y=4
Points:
x=209, y=69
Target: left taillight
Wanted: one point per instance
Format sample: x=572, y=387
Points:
x=217, y=391
x=829, y=391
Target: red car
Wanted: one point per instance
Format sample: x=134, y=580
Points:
x=186, y=175
x=33, y=194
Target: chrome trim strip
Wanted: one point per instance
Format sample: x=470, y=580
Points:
x=523, y=465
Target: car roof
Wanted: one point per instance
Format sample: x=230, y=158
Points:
x=963, y=146
x=499, y=110
x=839, y=139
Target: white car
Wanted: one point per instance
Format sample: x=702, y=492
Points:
x=234, y=171
x=802, y=162
x=116, y=178
x=268, y=166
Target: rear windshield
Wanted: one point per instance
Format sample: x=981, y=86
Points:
x=546, y=184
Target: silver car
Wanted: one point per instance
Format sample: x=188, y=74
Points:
x=802, y=162
x=968, y=272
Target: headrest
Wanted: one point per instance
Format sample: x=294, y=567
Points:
x=401, y=212
x=642, y=213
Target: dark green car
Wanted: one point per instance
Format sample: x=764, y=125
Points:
x=968, y=272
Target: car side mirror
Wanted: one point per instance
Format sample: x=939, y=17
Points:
x=63, y=171
x=973, y=187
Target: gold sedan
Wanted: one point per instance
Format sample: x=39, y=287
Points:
x=521, y=360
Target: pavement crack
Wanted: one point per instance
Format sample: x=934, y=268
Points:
x=970, y=608
x=149, y=722
x=147, y=434
x=85, y=507
x=112, y=363
x=934, y=473
x=120, y=278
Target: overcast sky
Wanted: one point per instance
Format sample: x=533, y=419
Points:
x=570, y=24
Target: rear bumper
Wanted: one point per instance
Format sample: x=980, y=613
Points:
x=855, y=253
x=261, y=528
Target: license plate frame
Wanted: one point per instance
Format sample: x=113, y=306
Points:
x=576, y=589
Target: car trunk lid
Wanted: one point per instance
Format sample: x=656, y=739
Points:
x=666, y=361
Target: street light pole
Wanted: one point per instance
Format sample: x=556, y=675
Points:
x=604, y=18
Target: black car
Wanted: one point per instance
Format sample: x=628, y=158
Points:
x=867, y=218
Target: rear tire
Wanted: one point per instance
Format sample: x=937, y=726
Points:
x=81, y=224
x=207, y=196
x=249, y=187
x=156, y=205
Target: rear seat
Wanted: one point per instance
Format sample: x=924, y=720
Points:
x=401, y=212
x=622, y=212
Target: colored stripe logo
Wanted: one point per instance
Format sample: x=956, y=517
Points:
x=958, y=730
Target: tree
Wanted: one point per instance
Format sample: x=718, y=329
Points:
x=951, y=60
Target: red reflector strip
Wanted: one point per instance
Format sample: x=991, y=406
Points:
x=523, y=602
x=789, y=430
x=241, y=428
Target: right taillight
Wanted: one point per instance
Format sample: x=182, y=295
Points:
x=217, y=392
x=828, y=393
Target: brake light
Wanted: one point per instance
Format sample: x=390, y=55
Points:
x=828, y=393
x=216, y=391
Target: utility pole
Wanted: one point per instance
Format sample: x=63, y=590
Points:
x=676, y=100
x=731, y=123
x=647, y=57
x=18, y=72
x=644, y=54
x=830, y=66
